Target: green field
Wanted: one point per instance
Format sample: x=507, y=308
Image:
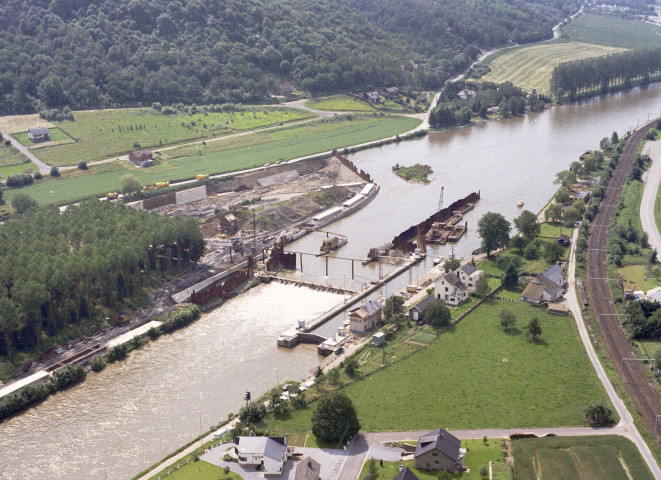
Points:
x=531, y=67
x=478, y=376
x=478, y=454
x=10, y=156
x=220, y=157
x=339, y=103
x=200, y=470
x=107, y=133
x=612, y=31
x=57, y=136
x=607, y=457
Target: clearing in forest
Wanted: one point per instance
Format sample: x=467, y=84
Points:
x=531, y=67
x=612, y=31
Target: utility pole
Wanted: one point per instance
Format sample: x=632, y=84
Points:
x=254, y=234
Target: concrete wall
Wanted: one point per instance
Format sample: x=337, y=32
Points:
x=191, y=195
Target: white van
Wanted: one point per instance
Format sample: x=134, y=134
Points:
x=221, y=433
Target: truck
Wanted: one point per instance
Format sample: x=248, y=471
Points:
x=112, y=196
x=202, y=177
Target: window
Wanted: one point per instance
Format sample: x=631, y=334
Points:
x=435, y=454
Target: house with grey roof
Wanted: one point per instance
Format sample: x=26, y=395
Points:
x=308, y=469
x=405, y=474
x=38, y=134
x=546, y=287
x=450, y=289
x=439, y=450
x=365, y=318
x=468, y=274
x=269, y=453
x=417, y=312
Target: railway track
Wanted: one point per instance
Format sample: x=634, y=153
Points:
x=599, y=295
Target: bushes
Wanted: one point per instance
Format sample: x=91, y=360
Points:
x=180, y=319
x=20, y=180
x=98, y=363
x=82, y=165
x=63, y=379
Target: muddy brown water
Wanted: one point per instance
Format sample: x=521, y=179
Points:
x=137, y=411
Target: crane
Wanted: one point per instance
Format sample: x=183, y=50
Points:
x=440, y=201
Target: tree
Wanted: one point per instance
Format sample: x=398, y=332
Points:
x=518, y=242
x=562, y=196
x=54, y=172
x=130, y=185
x=10, y=324
x=252, y=413
x=507, y=319
x=482, y=285
x=526, y=223
x=598, y=414
x=2, y=202
x=534, y=329
x=494, y=231
x=23, y=202
x=451, y=264
x=350, y=366
x=392, y=307
x=614, y=138
x=510, y=278
x=82, y=165
x=335, y=419
x=565, y=178
x=553, y=213
x=553, y=252
x=571, y=215
x=437, y=314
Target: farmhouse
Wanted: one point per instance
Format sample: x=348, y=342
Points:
x=267, y=452
x=417, y=311
x=38, y=134
x=142, y=158
x=548, y=286
x=405, y=474
x=466, y=94
x=439, y=450
x=366, y=317
x=372, y=97
x=468, y=274
x=450, y=289
x=307, y=469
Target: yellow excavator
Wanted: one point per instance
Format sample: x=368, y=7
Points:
x=117, y=318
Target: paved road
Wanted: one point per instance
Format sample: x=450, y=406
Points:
x=652, y=178
x=629, y=429
x=43, y=167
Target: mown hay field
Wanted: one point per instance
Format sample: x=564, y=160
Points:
x=606, y=457
x=478, y=376
x=220, y=157
x=531, y=67
x=612, y=31
x=106, y=133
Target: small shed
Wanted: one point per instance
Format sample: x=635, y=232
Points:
x=564, y=240
x=557, y=309
x=39, y=134
x=378, y=339
x=142, y=158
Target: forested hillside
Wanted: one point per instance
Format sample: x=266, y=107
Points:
x=106, y=53
x=52, y=266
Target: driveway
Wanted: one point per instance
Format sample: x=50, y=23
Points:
x=43, y=167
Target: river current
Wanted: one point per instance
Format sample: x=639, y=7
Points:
x=137, y=411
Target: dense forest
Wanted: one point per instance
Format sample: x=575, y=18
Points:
x=602, y=74
x=52, y=266
x=109, y=53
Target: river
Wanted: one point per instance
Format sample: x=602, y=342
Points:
x=135, y=412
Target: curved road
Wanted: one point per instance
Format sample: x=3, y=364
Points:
x=652, y=178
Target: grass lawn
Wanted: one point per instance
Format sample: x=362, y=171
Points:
x=10, y=156
x=256, y=150
x=552, y=230
x=478, y=454
x=606, y=457
x=107, y=133
x=201, y=470
x=638, y=277
x=339, y=103
x=27, y=167
x=611, y=31
x=478, y=376
x=531, y=67
x=498, y=264
x=56, y=136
